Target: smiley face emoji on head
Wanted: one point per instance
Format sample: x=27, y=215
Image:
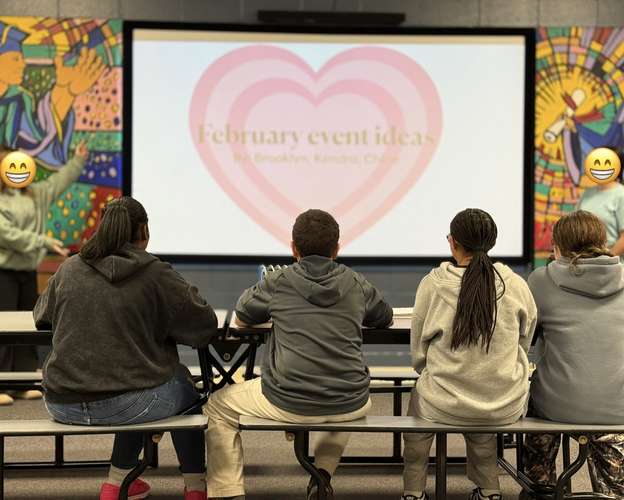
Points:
x=602, y=165
x=17, y=170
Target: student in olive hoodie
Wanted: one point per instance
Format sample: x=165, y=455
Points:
x=580, y=374
x=117, y=313
x=23, y=245
x=313, y=369
x=472, y=325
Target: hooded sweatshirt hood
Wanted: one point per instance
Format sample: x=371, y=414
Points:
x=446, y=279
x=129, y=260
x=320, y=280
x=595, y=277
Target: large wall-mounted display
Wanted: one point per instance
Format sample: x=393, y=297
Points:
x=236, y=132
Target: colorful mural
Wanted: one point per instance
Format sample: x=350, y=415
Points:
x=579, y=105
x=61, y=82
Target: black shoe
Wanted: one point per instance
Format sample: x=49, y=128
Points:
x=313, y=488
x=477, y=495
x=424, y=496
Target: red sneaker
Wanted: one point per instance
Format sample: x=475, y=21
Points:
x=195, y=495
x=138, y=490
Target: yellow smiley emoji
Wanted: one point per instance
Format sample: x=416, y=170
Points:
x=17, y=170
x=602, y=165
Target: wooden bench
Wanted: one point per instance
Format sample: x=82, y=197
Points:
x=152, y=432
x=419, y=425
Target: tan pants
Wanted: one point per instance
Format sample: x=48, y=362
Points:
x=481, y=457
x=224, y=448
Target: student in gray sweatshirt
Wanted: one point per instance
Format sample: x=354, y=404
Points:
x=580, y=371
x=313, y=369
x=472, y=325
x=117, y=313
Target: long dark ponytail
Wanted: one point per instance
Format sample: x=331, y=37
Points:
x=123, y=221
x=477, y=309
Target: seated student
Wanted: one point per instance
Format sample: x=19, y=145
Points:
x=580, y=376
x=472, y=325
x=313, y=369
x=117, y=313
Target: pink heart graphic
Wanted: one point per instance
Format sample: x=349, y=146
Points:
x=351, y=138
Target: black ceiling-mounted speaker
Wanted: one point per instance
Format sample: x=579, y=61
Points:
x=306, y=18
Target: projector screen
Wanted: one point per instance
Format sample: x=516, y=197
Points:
x=234, y=133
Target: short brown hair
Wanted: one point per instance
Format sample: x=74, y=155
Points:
x=580, y=234
x=316, y=232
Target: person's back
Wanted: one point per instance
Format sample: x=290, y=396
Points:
x=314, y=364
x=472, y=325
x=469, y=384
x=579, y=377
x=117, y=313
x=313, y=369
x=127, y=311
x=580, y=372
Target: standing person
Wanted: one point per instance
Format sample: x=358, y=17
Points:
x=117, y=313
x=23, y=245
x=580, y=375
x=472, y=325
x=606, y=201
x=313, y=369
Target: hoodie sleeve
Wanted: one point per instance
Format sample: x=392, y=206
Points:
x=253, y=306
x=50, y=189
x=378, y=312
x=193, y=322
x=528, y=315
x=43, y=312
x=21, y=240
x=419, y=341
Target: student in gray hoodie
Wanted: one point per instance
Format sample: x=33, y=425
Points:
x=313, y=369
x=580, y=372
x=472, y=325
x=117, y=313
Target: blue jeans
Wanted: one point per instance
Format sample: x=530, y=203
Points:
x=137, y=407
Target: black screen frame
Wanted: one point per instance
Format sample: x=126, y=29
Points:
x=529, y=35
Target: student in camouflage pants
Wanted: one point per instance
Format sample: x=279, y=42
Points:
x=578, y=377
x=605, y=461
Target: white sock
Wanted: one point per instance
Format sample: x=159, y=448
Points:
x=195, y=481
x=116, y=476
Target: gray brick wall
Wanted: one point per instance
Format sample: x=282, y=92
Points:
x=418, y=12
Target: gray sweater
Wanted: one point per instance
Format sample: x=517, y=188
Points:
x=23, y=242
x=313, y=364
x=116, y=323
x=468, y=386
x=580, y=375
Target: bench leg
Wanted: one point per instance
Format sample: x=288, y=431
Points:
x=519, y=452
x=440, y=465
x=59, y=451
x=149, y=448
x=570, y=470
x=397, y=400
x=565, y=449
x=301, y=441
